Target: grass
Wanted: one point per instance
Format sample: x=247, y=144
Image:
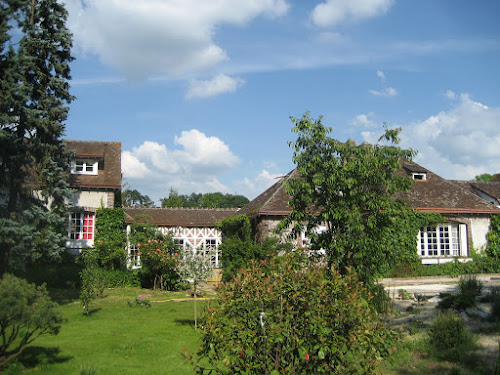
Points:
x=116, y=338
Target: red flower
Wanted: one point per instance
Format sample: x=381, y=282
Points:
x=242, y=352
x=307, y=356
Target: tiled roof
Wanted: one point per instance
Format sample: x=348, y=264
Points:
x=434, y=194
x=490, y=188
x=109, y=175
x=193, y=217
x=273, y=201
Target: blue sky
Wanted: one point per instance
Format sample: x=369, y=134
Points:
x=200, y=92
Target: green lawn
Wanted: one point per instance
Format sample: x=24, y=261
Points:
x=116, y=338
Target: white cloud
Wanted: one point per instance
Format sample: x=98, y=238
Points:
x=387, y=92
x=195, y=166
x=381, y=75
x=149, y=37
x=218, y=85
x=456, y=144
x=364, y=121
x=450, y=94
x=252, y=187
x=333, y=12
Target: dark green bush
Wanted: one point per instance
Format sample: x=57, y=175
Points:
x=448, y=334
x=458, y=302
x=470, y=285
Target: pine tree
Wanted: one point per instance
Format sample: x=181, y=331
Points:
x=35, y=52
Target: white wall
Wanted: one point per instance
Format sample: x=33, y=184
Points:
x=480, y=227
x=90, y=199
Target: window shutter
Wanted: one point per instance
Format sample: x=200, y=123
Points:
x=462, y=232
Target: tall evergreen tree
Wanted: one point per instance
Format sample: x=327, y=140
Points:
x=35, y=51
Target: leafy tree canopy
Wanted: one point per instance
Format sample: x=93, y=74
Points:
x=133, y=198
x=351, y=191
x=486, y=177
x=35, y=54
x=207, y=200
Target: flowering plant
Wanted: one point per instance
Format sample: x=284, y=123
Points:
x=159, y=256
x=140, y=300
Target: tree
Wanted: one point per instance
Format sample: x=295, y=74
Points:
x=195, y=268
x=173, y=199
x=238, y=246
x=26, y=312
x=207, y=200
x=133, y=198
x=290, y=315
x=34, y=96
x=352, y=191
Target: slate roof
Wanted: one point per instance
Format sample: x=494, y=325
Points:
x=434, y=194
x=108, y=154
x=189, y=217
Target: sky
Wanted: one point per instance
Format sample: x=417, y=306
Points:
x=200, y=92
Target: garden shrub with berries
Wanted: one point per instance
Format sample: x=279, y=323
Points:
x=291, y=315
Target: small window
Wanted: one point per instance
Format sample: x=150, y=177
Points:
x=419, y=176
x=84, y=166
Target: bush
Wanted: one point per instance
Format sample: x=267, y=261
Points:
x=448, y=334
x=470, y=285
x=26, y=312
x=287, y=315
x=458, y=302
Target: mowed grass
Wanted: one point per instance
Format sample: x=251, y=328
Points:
x=116, y=338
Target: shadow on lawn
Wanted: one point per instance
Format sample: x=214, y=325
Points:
x=34, y=356
x=185, y=322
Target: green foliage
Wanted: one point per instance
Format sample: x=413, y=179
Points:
x=140, y=301
x=26, y=312
x=34, y=73
x=470, y=286
x=287, y=315
x=493, y=247
x=448, y=334
x=160, y=256
x=238, y=246
x=195, y=268
x=133, y=198
x=92, y=280
x=352, y=190
x=110, y=238
x=485, y=177
x=207, y=200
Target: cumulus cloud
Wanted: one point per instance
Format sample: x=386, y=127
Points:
x=194, y=166
x=364, y=120
x=457, y=144
x=333, y=12
x=387, y=92
x=218, y=85
x=381, y=75
x=252, y=187
x=150, y=37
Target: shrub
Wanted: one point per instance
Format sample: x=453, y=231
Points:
x=286, y=315
x=470, y=285
x=448, y=334
x=26, y=312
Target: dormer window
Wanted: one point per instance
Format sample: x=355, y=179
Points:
x=84, y=166
x=418, y=176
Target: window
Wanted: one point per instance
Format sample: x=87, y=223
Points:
x=84, y=166
x=81, y=226
x=134, y=259
x=444, y=240
x=419, y=176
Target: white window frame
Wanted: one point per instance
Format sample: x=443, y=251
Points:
x=446, y=240
x=419, y=176
x=78, y=222
x=84, y=166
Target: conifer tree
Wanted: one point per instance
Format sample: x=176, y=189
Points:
x=35, y=52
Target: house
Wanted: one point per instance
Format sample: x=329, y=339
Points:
x=193, y=229
x=95, y=178
x=489, y=191
x=467, y=216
